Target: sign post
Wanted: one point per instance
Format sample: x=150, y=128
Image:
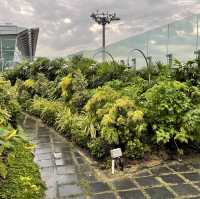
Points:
x=115, y=153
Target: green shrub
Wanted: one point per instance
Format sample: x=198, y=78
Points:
x=20, y=71
x=64, y=120
x=108, y=71
x=8, y=100
x=4, y=117
x=79, y=132
x=23, y=178
x=135, y=149
x=50, y=111
x=166, y=103
x=98, y=148
x=46, y=109
x=100, y=101
x=190, y=126
x=122, y=122
x=37, y=106
x=109, y=104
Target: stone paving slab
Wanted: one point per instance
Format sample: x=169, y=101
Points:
x=131, y=194
x=159, y=192
x=123, y=184
x=104, y=196
x=68, y=175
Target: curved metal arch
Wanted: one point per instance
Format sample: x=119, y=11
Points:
x=146, y=60
x=103, y=51
x=142, y=53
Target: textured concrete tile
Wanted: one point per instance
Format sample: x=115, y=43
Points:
x=172, y=179
x=159, y=193
x=194, y=176
x=43, y=150
x=160, y=170
x=133, y=194
x=196, y=165
x=45, y=163
x=98, y=187
x=69, y=169
x=44, y=156
x=104, y=196
x=69, y=190
x=147, y=181
x=66, y=179
x=89, y=176
x=180, y=168
x=185, y=190
x=123, y=184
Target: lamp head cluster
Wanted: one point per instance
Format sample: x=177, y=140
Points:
x=104, y=18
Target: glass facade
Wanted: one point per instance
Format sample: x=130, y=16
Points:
x=179, y=39
x=16, y=43
x=7, y=51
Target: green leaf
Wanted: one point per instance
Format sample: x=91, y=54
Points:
x=3, y=170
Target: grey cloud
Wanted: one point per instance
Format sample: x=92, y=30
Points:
x=136, y=16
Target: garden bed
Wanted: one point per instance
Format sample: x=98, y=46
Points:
x=19, y=175
x=102, y=106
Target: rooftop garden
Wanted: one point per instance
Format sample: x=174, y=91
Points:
x=102, y=106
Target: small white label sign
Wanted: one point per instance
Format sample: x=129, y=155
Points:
x=116, y=153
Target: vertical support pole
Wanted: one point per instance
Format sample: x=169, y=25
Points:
x=113, y=166
x=128, y=63
x=169, y=60
x=30, y=45
x=197, y=52
x=134, y=63
x=147, y=45
x=103, y=41
x=2, y=63
x=149, y=58
x=197, y=40
x=168, y=39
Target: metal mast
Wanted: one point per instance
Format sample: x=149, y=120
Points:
x=103, y=19
x=197, y=51
x=197, y=40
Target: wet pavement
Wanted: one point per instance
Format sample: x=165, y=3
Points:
x=68, y=175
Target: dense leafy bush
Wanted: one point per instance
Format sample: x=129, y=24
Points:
x=64, y=121
x=189, y=71
x=98, y=148
x=19, y=176
x=8, y=100
x=166, y=104
x=101, y=106
x=135, y=149
x=23, y=177
x=47, y=110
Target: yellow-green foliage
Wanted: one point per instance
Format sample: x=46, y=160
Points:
x=37, y=106
x=30, y=84
x=46, y=109
x=65, y=84
x=19, y=175
x=4, y=117
x=64, y=119
x=101, y=100
x=23, y=178
x=122, y=122
x=8, y=98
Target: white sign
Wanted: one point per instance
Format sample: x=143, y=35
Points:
x=116, y=153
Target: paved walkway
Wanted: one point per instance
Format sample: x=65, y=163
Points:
x=67, y=174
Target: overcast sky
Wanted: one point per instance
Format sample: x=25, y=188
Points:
x=65, y=25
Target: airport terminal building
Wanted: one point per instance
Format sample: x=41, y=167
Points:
x=16, y=43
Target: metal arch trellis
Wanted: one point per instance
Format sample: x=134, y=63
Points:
x=146, y=60
x=106, y=52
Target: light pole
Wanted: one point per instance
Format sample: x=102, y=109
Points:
x=103, y=19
